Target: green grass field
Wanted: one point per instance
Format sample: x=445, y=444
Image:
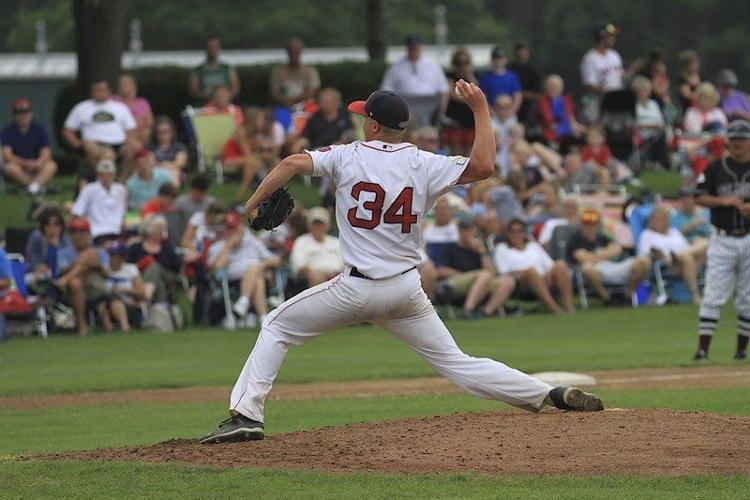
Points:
x=597, y=339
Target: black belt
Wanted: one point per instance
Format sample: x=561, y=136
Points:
x=356, y=274
x=736, y=233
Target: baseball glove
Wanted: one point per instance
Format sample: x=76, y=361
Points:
x=274, y=210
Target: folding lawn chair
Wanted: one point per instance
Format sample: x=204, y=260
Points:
x=37, y=319
x=209, y=131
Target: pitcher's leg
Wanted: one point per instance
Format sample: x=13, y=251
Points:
x=427, y=336
x=304, y=316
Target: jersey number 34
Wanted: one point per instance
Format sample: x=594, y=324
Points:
x=398, y=213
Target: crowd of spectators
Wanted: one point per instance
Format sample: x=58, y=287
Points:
x=132, y=242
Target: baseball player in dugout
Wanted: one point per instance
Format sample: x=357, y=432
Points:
x=384, y=187
x=725, y=188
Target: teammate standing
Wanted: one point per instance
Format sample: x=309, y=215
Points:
x=384, y=187
x=725, y=189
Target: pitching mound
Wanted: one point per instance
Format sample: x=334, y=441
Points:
x=661, y=442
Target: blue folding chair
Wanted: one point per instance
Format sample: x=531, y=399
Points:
x=38, y=317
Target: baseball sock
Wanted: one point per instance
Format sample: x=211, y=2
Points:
x=743, y=333
x=706, y=329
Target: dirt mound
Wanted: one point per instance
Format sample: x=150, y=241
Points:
x=661, y=442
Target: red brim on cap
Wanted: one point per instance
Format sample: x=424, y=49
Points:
x=358, y=107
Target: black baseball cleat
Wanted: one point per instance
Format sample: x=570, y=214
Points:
x=740, y=355
x=700, y=355
x=234, y=429
x=574, y=399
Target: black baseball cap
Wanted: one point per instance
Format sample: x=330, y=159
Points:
x=412, y=40
x=498, y=53
x=738, y=129
x=385, y=107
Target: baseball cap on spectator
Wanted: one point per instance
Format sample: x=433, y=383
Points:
x=499, y=53
x=141, y=153
x=412, y=40
x=605, y=30
x=385, y=107
x=590, y=216
x=21, y=105
x=232, y=220
x=117, y=248
x=79, y=224
x=318, y=214
x=106, y=167
x=727, y=78
x=738, y=129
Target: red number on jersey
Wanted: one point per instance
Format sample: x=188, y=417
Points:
x=402, y=204
x=375, y=206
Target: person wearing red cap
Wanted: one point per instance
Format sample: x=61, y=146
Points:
x=82, y=270
x=384, y=188
x=244, y=258
x=26, y=151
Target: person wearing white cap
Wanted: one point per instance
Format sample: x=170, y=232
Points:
x=104, y=203
x=316, y=254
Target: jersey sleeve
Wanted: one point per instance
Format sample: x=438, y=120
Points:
x=80, y=206
x=706, y=182
x=326, y=161
x=442, y=172
x=588, y=72
x=74, y=119
x=126, y=119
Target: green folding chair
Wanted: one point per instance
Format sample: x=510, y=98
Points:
x=210, y=131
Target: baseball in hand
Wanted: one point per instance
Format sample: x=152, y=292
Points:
x=458, y=91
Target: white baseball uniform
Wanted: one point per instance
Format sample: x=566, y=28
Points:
x=383, y=191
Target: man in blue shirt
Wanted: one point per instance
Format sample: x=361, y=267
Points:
x=499, y=80
x=26, y=151
x=6, y=280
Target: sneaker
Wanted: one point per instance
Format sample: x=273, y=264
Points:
x=740, y=355
x=701, y=355
x=234, y=429
x=241, y=307
x=574, y=399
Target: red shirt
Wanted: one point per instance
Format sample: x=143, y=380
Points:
x=602, y=156
x=152, y=206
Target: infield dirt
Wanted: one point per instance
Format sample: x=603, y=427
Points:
x=651, y=441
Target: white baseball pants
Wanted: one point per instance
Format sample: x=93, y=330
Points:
x=727, y=267
x=396, y=304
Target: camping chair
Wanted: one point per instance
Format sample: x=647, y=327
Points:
x=38, y=317
x=209, y=131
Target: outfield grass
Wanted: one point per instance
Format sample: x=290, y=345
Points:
x=592, y=340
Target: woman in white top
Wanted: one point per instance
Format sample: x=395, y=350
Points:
x=663, y=242
x=533, y=268
x=705, y=115
x=650, y=123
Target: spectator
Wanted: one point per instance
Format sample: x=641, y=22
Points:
x=529, y=78
x=691, y=219
x=469, y=273
x=428, y=139
x=533, y=269
x=212, y=72
x=43, y=245
x=100, y=121
x=240, y=152
x=145, y=182
x=458, y=129
x=168, y=151
x=245, y=259
x=155, y=258
x=127, y=93
x=601, y=70
x=196, y=199
x=499, y=81
x=601, y=260
x=503, y=117
x=127, y=290
x=6, y=280
x=201, y=229
x=558, y=116
x=656, y=71
x=667, y=244
x=328, y=124
x=26, y=152
x=598, y=154
x=163, y=202
x=503, y=203
x=293, y=83
x=82, y=272
x=578, y=173
x=705, y=115
x=221, y=103
x=650, y=124
x=442, y=231
x=507, y=139
x=103, y=203
x=734, y=103
x=421, y=82
x=567, y=216
x=690, y=77
x=316, y=255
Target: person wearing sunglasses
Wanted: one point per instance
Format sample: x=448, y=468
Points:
x=26, y=150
